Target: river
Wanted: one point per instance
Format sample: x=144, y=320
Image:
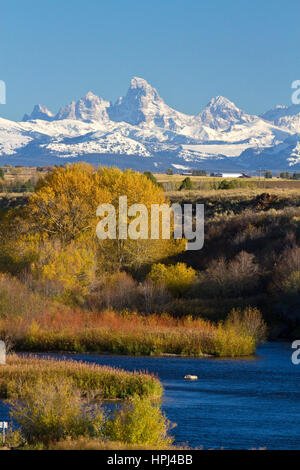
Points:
x=234, y=404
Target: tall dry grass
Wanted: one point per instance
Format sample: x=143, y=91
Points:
x=50, y=326
x=130, y=333
x=99, y=382
x=96, y=444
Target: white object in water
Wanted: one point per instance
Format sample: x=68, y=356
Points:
x=191, y=377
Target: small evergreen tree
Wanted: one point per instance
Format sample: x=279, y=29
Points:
x=29, y=186
x=151, y=177
x=186, y=184
x=285, y=175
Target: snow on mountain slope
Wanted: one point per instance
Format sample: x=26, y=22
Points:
x=280, y=111
x=286, y=117
x=294, y=158
x=142, y=125
x=102, y=142
x=283, y=156
x=254, y=134
x=229, y=150
x=291, y=123
x=62, y=128
x=12, y=137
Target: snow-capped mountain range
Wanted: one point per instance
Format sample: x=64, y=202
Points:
x=141, y=131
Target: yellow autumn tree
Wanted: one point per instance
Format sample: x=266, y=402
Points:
x=59, y=225
x=130, y=254
x=66, y=270
x=65, y=201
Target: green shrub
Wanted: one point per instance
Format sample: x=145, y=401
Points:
x=186, y=184
x=291, y=284
x=227, y=184
x=285, y=175
x=52, y=415
x=230, y=342
x=248, y=322
x=139, y=422
x=53, y=410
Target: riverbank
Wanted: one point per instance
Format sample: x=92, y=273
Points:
x=235, y=404
x=54, y=401
x=62, y=329
x=98, y=382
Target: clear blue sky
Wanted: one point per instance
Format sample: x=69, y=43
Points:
x=54, y=51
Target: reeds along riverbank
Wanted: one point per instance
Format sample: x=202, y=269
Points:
x=99, y=382
x=131, y=334
x=53, y=409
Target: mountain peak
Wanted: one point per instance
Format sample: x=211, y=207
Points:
x=90, y=96
x=89, y=108
x=140, y=90
x=142, y=104
x=221, y=113
x=141, y=124
x=137, y=82
x=221, y=101
x=39, y=112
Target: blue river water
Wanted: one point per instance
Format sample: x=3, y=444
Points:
x=234, y=404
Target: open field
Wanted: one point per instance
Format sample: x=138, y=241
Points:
x=15, y=177
x=288, y=193
x=286, y=190
x=220, y=204
x=210, y=183
x=23, y=173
